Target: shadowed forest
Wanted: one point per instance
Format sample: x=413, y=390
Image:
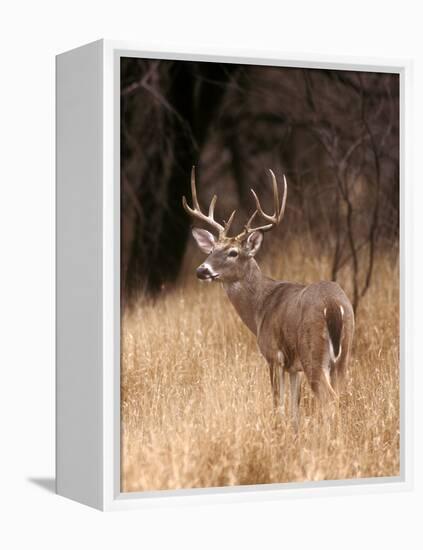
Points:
x=196, y=406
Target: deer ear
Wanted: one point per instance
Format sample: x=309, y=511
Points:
x=253, y=243
x=205, y=239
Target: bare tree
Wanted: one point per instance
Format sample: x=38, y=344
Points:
x=335, y=134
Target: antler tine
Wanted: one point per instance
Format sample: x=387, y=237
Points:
x=212, y=205
x=270, y=218
x=196, y=211
x=277, y=215
x=195, y=202
x=258, y=205
x=229, y=223
x=285, y=194
x=249, y=222
x=275, y=192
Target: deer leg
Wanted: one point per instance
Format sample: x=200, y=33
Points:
x=277, y=384
x=272, y=380
x=316, y=364
x=338, y=369
x=295, y=383
x=281, y=373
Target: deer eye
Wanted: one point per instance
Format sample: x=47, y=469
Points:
x=232, y=253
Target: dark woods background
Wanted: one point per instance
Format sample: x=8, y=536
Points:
x=335, y=134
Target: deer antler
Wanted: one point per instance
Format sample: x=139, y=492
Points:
x=197, y=213
x=275, y=218
x=222, y=230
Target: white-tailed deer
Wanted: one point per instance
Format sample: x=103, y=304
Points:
x=299, y=328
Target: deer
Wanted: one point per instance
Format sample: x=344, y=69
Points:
x=300, y=329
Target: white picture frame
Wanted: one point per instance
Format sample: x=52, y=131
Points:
x=88, y=291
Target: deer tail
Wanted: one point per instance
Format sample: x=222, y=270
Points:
x=334, y=315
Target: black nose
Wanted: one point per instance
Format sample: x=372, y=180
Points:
x=203, y=272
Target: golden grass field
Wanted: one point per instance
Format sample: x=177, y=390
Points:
x=196, y=403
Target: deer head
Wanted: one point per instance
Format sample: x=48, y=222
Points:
x=228, y=257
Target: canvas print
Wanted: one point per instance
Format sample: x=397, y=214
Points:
x=259, y=275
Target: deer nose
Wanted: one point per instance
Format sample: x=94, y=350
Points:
x=203, y=272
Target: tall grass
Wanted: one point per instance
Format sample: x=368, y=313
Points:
x=196, y=403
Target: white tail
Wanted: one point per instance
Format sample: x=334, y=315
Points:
x=335, y=338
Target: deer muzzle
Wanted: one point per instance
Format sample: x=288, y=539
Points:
x=205, y=273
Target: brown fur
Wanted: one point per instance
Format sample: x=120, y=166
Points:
x=294, y=324
x=289, y=318
x=298, y=328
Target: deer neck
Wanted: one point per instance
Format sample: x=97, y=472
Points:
x=247, y=294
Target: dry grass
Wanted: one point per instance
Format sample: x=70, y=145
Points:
x=196, y=402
